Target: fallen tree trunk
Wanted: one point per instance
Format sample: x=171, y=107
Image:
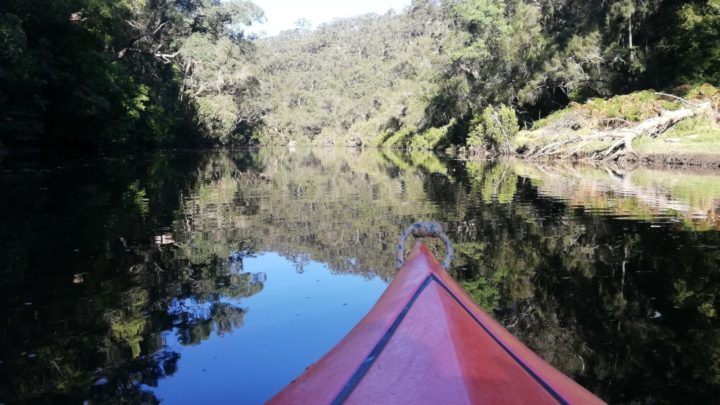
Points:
x=652, y=127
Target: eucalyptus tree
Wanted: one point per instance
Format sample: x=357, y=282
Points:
x=106, y=72
x=351, y=80
x=698, y=46
x=539, y=55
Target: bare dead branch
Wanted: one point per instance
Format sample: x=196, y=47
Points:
x=679, y=99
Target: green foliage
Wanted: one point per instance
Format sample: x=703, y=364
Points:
x=538, y=56
x=607, y=112
x=493, y=182
x=218, y=115
x=431, y=138
x=703, y=91
x=400, y=139
x=351, y=79
x=18, y=114
x=699, y=45
x=494, y=129
x=121, y=73
x=137, y=197
x=150, y=73
x=485, y=290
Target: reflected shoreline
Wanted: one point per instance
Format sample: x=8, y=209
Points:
x=605, y=273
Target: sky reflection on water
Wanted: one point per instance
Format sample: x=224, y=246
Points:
x=193, y=277
x=290, y=324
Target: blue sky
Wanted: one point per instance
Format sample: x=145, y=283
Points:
x=282, y=14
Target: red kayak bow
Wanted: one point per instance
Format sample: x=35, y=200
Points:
x=426, y=342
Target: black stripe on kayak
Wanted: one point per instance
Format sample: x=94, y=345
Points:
x=370, y=359
x=375, y=353
x=522, y=364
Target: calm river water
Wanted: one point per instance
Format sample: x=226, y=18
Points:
x=219, y=276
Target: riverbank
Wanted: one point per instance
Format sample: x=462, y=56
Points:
x=647, y=128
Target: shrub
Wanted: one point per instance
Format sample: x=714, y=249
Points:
x=431, y=138
x=399, y=139
x=494, y=129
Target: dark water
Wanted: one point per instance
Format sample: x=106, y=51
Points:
x=219, y=276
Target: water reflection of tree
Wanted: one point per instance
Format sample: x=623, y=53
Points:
x=580, y=289
x=100, y=336
x=605, y=300
x=332, y=206
x=626, y=308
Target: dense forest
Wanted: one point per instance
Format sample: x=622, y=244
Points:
x=155, y=73
x=135, y=73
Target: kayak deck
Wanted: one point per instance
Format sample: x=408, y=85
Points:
x=426, y=341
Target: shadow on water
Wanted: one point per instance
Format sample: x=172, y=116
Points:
x=612, y=277
x=92, y=276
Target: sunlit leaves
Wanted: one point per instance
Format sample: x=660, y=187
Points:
x=700, y=30
x=350, y=80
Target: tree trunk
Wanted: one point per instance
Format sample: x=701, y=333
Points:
x=630, y=39
x=651, y=127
